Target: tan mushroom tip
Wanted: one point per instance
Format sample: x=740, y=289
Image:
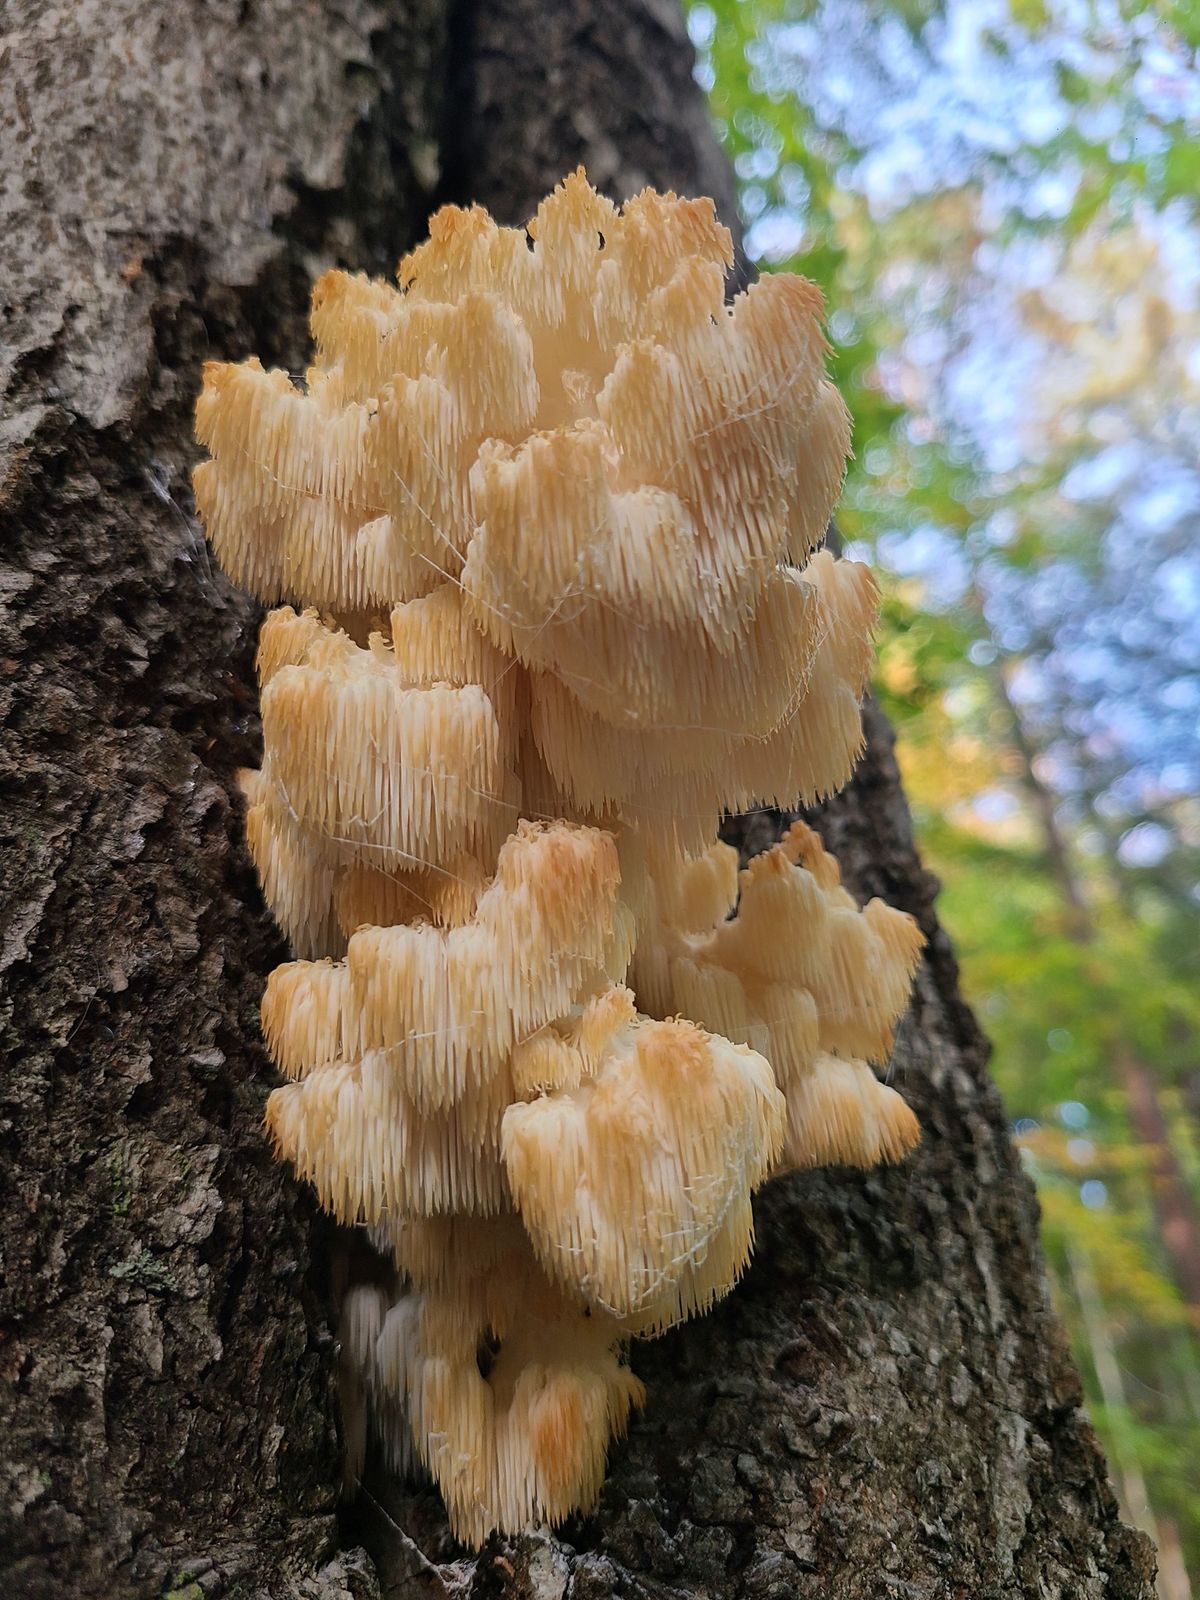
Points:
x=841, y=1115
x=541, y=524
x=635, y=1185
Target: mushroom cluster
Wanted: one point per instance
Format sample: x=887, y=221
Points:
x=545, y=521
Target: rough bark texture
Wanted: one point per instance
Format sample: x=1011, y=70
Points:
x=884, y=1407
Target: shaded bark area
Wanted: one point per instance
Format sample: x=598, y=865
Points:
x=884, y=1406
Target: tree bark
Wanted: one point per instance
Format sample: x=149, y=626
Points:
x=885, y=1406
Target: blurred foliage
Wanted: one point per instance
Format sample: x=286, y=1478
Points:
x=1001, y=202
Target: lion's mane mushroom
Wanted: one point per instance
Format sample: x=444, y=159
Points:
x=550, y=508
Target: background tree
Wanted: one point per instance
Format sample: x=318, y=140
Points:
x=885, y=1404
x=1001, y=202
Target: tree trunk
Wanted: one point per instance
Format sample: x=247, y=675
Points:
x=885, y=1405
x=1097, y=1330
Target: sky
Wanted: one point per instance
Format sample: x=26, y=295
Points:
x=1108, y=629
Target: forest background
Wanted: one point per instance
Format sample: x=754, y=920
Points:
x=1000, y=201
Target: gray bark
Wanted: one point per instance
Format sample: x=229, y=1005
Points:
x=885, y=1406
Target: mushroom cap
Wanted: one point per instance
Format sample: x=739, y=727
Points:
x=299, y=882
x=288, y=498
x=838, y=1113
x=685, y=777
x=400, y=1054
x=379, y=770
x=799, y=973
x=506, y=1389
x=351, y=1130
x=796, y=929
x=525, y=1441
x=447, y=1005
x=626, y=1180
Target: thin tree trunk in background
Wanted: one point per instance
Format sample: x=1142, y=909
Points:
x=885, y=1405
x=1178, y=1220
x=1135, y=1499
x=1173, y=1580
x=1055, y=847
x=1191, y=1094
x=1175, y=1210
